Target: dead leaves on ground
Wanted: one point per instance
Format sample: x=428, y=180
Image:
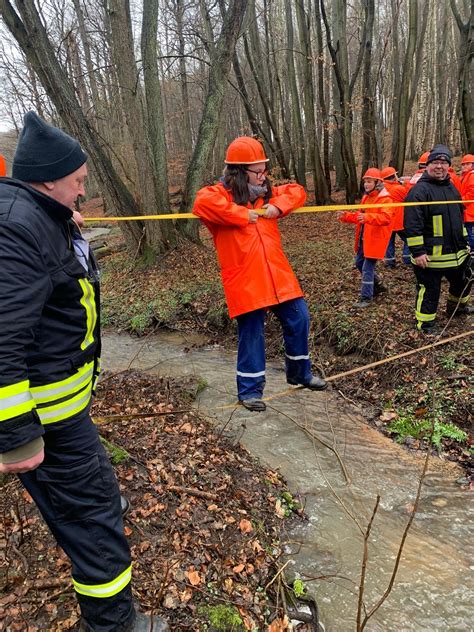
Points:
x=202, y=527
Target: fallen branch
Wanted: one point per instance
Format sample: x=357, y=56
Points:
x=192, y=492
x=104, y=420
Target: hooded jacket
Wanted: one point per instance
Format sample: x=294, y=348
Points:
x=254, y=269
x=378, y=224
x=436, y=230
x=49, y=322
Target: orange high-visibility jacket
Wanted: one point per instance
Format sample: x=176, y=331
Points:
x=467, y=192
x=398, y=193
x=455, y=179
x=377, y=224
x=255, y=271
x=3, y=166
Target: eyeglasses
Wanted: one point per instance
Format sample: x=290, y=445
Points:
x=259, y=174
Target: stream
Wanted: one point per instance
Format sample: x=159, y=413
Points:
x=434, y=585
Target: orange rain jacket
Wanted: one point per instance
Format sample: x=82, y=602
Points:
x=467, y=193
x=3, y=167
x=455, y=179
x=398, y=193
x=377, y=225
x=255, y=271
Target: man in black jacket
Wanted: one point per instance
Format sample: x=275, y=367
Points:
x=437, y=239
x=49, y=363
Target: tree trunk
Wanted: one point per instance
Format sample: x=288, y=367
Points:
x=219, y=71
x=339, y=56
x=122, y=48
x=187, y=132
x=465, y=74
x=31, y=36
x=300, y=165
x=399, y=140
x=369, y=140
x=155, y=118
x=321, y=191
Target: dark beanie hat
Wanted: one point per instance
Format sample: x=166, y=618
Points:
x=44, y=153
x=439, y=152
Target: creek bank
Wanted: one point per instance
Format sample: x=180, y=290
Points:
x=403, y=399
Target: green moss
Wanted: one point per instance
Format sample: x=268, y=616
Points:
x=116, y=454
x=223, y=618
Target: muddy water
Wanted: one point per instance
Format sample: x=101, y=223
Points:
x=434, y=585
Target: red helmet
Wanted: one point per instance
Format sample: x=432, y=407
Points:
x=424, y=158
x=372, y=172
x=388, y=172
x=245, y=151
x=467, y=158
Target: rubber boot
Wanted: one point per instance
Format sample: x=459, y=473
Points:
x=142, y=623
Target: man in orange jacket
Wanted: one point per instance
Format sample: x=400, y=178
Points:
x=373, y=232
x=467, y=193
x=242, y=212
x=397, y=191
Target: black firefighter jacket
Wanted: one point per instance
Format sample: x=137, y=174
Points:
x=436, y=230
x=49, y=324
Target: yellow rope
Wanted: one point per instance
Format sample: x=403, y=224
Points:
x=303, y=209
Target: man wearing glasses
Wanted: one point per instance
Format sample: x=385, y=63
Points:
x=437, y=239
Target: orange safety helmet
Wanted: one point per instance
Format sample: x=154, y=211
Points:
x=245, y=150
x=467, y=158
x=388, y=172
x=372, y=172
x=423, y=159
x=3, y=166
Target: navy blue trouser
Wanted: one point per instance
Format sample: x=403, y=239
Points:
x=77, y=493
x=367, y=269
x=390, y=259
x=470, y=235
x=294, y=318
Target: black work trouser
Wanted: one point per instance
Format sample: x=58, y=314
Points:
x=77, y=493
x=428, y=289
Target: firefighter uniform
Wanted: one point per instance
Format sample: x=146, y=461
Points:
x=49, y=362
x=437, y=231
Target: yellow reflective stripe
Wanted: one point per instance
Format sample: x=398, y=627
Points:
x=420, y=316
x=15, y=400
x=455, y=299
x=63, y=388
x=88, y=302
x=415, y=241
x=464, y=231
x=105, y=590
x=437, y=225
x=437, y=251
x=64, y=410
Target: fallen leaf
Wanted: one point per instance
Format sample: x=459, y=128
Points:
x=193, y=577
x=245, y=526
